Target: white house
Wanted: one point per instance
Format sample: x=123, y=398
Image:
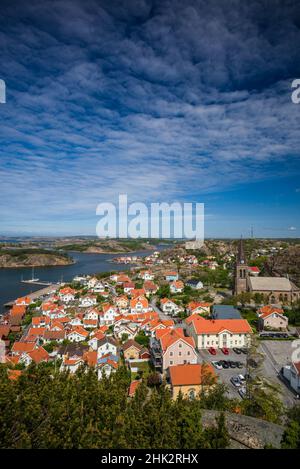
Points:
x=92, y=282
x=107, y=365
x=130, y=329
x=98, y=288
x=107, y=345
x=78, y=334
x=194, y=284
x=108, y=314
x=169, y=307
x=76, y=321
x=218, y=333
x=67, y=295
x=177, y=286
x=87, y=301
x=92, y=314
x=128, y=287
x=71, y=364
x=139, y=304
x=292, y=374
x=146, y=275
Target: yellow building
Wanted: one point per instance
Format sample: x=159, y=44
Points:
x=191, y=379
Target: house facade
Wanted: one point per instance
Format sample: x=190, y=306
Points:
x=191, y=379
x=219, y=333
x=292, y=374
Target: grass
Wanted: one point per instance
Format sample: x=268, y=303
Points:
x=144, y=367
x=251, y=317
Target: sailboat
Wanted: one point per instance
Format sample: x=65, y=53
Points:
x=32, y=280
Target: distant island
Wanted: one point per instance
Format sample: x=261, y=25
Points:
x=108, y=246
x=88, y=244
x=13, y=258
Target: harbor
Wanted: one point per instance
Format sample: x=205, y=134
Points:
x=37, y=294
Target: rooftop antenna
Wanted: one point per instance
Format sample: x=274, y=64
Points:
x=252, y=235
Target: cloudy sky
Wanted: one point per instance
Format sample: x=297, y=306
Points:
x=165, y=100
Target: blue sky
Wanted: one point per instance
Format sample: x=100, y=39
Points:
x=162, y=100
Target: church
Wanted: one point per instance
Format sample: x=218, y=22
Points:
x=276, y=289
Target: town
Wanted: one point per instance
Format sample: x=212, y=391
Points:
x=171, y=320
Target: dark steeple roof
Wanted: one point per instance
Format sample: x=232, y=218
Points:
x=241, y=258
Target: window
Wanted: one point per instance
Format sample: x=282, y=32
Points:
x=171, y=362
x=180, y=345
x=179, y=354
x=192, y=393
x=189, y=353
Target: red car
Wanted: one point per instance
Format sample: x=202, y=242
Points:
x=212, y=351
x=225, y=351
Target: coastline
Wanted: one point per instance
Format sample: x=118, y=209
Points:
x=24, y=266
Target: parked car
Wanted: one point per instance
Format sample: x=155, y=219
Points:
x=242, y=392
x=232, y=364
x=212, y=351
x=242, y=379
x=237, y=350
x=224, y=364
x=235, y=381
x=225, y=350
x=239, y=365
x=217, y=365
x=244, y=351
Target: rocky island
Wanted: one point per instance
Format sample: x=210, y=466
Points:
x=32, y=258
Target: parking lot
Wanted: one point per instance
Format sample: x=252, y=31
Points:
x=276, y=354
x=226, y=374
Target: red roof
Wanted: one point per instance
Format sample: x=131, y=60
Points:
x=21, y=347
x=190, y=374
x=21, y=301
x=173, y=336
x=38, y=319
x=139, y=299
x=79, y=330
x=195, y=305
x=133, y=387
x=215, y=326
x=91, y=358
x=18, y=310
x=36, y=331
x=267, y=310
x=254, y=269
x=4, y=331
x=14, y=374
x=178, y=284
x=39, y=355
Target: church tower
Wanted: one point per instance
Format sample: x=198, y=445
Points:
x=241, y=270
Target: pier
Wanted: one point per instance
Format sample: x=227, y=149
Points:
x=36, y=294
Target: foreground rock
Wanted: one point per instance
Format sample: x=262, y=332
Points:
x=247, y=432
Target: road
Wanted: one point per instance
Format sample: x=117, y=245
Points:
x=162, y=316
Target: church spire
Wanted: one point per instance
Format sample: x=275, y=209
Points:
x=241, y=258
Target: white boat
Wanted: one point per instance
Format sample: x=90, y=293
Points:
x=32, y=279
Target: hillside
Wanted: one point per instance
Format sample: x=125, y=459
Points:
x=32, y=258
